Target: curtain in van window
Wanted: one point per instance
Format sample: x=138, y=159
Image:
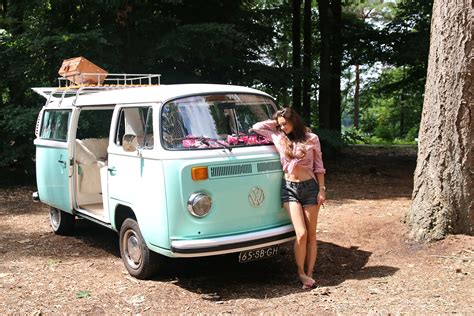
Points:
x=55, y=125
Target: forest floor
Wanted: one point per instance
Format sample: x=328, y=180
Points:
x=366, y=263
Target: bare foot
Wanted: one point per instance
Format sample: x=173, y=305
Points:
x=308, y=282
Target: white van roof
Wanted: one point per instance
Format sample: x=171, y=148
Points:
x=138, y=94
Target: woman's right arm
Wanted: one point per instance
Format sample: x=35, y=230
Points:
x=265, y=128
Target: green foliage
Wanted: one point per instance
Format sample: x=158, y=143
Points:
x=17, y=134
x=390, y=102
x=244, y=42
x=83, y=294
x=389, y=110
x=53, y=262
x=186, y=41
x=353, y=136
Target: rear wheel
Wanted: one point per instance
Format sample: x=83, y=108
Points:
x=140, y=262
x=61, y=222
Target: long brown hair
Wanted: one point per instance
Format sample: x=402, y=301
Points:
x=297, y=135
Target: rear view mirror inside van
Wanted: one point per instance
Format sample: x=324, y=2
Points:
x=130, y=142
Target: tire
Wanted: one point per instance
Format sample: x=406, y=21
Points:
x=140, y=262
x=61, y=222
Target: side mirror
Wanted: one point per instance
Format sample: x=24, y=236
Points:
x=129, y=142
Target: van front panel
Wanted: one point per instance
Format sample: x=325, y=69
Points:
x=245, y=194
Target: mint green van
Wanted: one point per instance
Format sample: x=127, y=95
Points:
x=172, y=169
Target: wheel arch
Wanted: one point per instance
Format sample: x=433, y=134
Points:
x=153, y=224
x=122, y=212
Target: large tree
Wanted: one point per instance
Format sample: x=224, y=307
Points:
x=296, y=42
x=330, y=64
x=307, y=60
x=443, y=194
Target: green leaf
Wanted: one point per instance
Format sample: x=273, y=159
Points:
x=53, y=262
x=83, y=294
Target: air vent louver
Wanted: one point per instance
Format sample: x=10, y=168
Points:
x=268, y=166
x=231, y=170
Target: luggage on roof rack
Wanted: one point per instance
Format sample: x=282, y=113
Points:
x=79, y=70
x=80, y=77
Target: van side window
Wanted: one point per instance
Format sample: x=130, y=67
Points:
x=55, y=124
x=94, y=123
x=136, y=121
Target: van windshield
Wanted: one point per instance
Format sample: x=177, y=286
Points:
x=214, y=121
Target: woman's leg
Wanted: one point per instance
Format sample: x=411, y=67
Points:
x=295, y=211
x=311, y=221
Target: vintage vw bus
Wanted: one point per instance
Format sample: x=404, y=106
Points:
x=172, y=168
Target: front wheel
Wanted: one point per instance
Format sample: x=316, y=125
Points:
x=140, y=262
x=61, y=222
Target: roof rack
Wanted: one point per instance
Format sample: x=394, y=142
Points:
x=67, y=88
x=107, y=80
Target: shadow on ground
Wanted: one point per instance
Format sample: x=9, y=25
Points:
x=216, y=277
x=223, y=278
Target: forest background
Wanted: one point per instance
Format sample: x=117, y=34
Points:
x=355, y=70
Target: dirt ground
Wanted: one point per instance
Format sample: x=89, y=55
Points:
x=366, y=264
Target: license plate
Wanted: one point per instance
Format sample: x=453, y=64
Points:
x=257, y=254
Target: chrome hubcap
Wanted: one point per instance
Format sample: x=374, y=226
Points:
x=55, y=217
x=132, y=249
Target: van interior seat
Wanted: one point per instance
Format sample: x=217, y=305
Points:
x=90, y=150
x=91, y=155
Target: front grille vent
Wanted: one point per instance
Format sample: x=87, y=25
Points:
x=231, y=170
x=268, y=166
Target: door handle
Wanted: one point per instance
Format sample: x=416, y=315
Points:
x=63, y=162
x=112, y=171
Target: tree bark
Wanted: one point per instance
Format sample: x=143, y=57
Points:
x=296, y=29
x=336, y=66
x=356, y=96
x=306, y=109
x=4, y=7
x=443, y=194
x=330, y=65
x=324, y=66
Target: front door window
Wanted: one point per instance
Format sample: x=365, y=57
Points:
x=55, y=124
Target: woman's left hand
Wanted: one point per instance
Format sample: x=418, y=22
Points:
x=321, y=197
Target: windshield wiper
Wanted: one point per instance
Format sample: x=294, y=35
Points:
x=206, y=140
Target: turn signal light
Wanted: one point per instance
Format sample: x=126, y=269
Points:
x=199, y=173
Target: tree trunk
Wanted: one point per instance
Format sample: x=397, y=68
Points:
x=336, y=66
x=443, y=194
x=324, y=66
x=330, y=65
x=356, y=96
x=4, y=8
x=306, y=110
x=296, y=28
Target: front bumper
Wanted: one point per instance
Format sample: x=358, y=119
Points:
x=230, y=244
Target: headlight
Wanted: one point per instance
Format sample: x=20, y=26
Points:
x=199, y=204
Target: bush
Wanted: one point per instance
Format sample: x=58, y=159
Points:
x=385, y=132
x=353, y=136
x=412, y=134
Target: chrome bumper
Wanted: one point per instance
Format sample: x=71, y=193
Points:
x=230, y=244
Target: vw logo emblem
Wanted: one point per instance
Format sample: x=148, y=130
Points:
x=256, y=196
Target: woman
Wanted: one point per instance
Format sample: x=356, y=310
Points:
x=303, y=190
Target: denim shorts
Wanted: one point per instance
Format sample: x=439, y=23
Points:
x=304, y=192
